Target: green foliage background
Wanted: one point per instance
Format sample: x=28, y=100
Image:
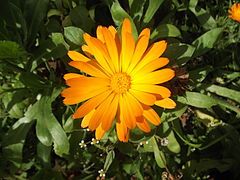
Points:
x=38, y=137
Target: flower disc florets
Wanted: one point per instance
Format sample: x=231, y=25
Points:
x=120, y=82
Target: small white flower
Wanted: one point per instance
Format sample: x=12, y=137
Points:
x=82, y=144
x=144, y=142
x=86, y=129
x=164, y=141
x=193, y=149
x=94, y=141
x=101, y=173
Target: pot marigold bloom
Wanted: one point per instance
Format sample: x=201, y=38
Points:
x=123, y=81
x=235, y=12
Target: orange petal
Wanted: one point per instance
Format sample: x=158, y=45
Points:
x=87, y=50
x=151, y=116
x=141, y=46
x=71, y=75
x=76, y=56
x=134, y=105
x=151, y=88
x=112, y=47
x=143, y=97
x=110, y=113
x=155, y=77
x=126, y=27
x=151, y=54
x=99, y=51
x=100, y=34
x=91, y=104
x=128, y=47
x=151, y=66
x=92, y=68
x=122, y=130
x=166, y=103
x=95, y=121
x=99, y=133
x=86, y=119
x=127, y=114
x=116, y=38
x=87, y=82
x=74, y=96
x=144, y=126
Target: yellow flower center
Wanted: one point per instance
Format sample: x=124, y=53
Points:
x=120, y=82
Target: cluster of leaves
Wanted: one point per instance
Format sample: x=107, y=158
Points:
x=197, y=140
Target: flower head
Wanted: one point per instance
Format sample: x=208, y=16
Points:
x=94, y=141
x=164, y=141
x=101, y=173
x=82, y=144
x=235, y=12
x=123, y=81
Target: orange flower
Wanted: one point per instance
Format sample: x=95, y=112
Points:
x=123, y=81
x=235, y=12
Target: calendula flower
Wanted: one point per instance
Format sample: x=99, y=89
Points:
x=235, y=12
x=122, y=82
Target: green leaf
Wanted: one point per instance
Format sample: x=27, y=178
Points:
x=178, y=130
x=164, y=31
x=54, y=12
x=197, y=100
x=34, y=81
x=48, y=129
x=15, y=103
x=204, y=164
x=17, y=110
x=151, y=10
x=179, y=52
x=167, y=132
x=118, y=15
x=198, y=75
x=205, y=19
x=226, y=104
x=80, y=17
x=45, y=115
x=58, y=39
x=173, y=145
x=159, y=155
x=44, y=153
x=136, y=10
x=11, y=50
x=42, y=131
x=170, y=115
x=13, y=142
x=47, y=50
x=47, y=173
x=109, y=159
x=20, y=22
x=35, y=11
x=74, y=35
x=225, y=92
x=125, y=148
x=68, y=125
x=207, y=41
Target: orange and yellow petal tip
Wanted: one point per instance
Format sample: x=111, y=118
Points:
x=235, y=12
